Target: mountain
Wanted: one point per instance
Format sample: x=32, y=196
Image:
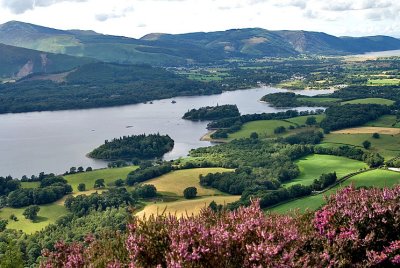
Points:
x=200, y=47
x=16, y=62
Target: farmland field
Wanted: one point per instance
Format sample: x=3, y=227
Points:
x=387, y=145
x=312, y=166
x=370, y=101
x=384, y=82
x=320, y=100
x=384, y=121
x=378, y=178
x=176, y=181
x=109, y=175
x=183, y=207
x=48, y=214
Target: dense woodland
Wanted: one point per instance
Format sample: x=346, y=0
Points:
x=99, y=85
x=212, y=113
x=135, y=146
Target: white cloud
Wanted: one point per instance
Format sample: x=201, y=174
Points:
x=339, y=17
x=20, y=6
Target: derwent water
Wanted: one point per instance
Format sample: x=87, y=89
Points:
x=55, y=141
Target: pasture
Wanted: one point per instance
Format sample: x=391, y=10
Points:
x=185, y=207
x=110, y=175
x=384, y=121
x=312, y=166
x=380, y=101
x=48, y=214
x=387, y=145
x=377, y=178
x=384, y=82
x=175, y=182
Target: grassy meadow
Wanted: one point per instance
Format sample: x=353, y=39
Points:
x=110, y=175
x=387, y=145
x=384, y=82
x=185, y=207
x=48, y=214
x=312, y=166
x=265, y=128
x=385, y=121
x=377, y=178
x=175, y=182
x=380, y=101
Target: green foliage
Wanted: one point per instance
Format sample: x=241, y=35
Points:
x=146, y=191
x=146, y=173
x=8, y=184
x=12, y=257
x=190, y=192
x=212, y=113
x=31, y=212
x=81, y=187
x=311, y=120
x=280, y=130
x=366, y=144
x=376, y=136
x=324, y=181
x=3, y=224
x=139, y=146
x=99, y=183
x=351, y=115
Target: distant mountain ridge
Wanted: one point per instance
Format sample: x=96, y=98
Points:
x=199, y=47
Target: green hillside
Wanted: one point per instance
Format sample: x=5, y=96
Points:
x=18, y=62
x=168, y=49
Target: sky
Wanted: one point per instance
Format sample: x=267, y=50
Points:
x=135, y=18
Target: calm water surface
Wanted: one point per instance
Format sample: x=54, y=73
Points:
x=55, y=141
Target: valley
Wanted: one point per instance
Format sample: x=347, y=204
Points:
x=123, y=145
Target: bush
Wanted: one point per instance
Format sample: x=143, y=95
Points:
x=311, y=120
x=376, y=136
x=190, y=192
x=366, y=144
x=254, y=135
x=279, y=130
x=81, y=187
x=146, y=191
x=31, y=212
x=99, y=183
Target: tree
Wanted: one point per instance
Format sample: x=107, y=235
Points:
x=12, y=257
x=31, y=212
x=279, y=130
x=119, y=182
x=80, y=169
x=366, y=144
x=72, y=170
x=89, y=169
x=3, y=224
x=254, y=135
x=376, y=136
x=81, y=187
x=146, y=191
x=190, y=192
x=311, y=120
x=99, y=183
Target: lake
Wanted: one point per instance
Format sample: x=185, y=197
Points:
x=55, y=141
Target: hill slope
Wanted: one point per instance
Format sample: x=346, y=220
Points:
x=169, y=49
x=16, y=62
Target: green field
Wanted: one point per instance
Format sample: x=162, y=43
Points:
x=370, y=101
x=48, y=214
x=319, y=100
x=312, y=166
x=265, y=128
x=176, y=181
x=28, y=185
x=377, y=178
x=109, y=175
x=301, y=120
x=186, y=207
x=384, y=121
x=384, y=82
x=387, y=145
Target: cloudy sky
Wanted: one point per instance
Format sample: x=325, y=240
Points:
x=136, y=18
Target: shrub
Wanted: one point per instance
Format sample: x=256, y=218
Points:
x=366, y=144
x=81, y=187
x=31, y=212
x=190, y=192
